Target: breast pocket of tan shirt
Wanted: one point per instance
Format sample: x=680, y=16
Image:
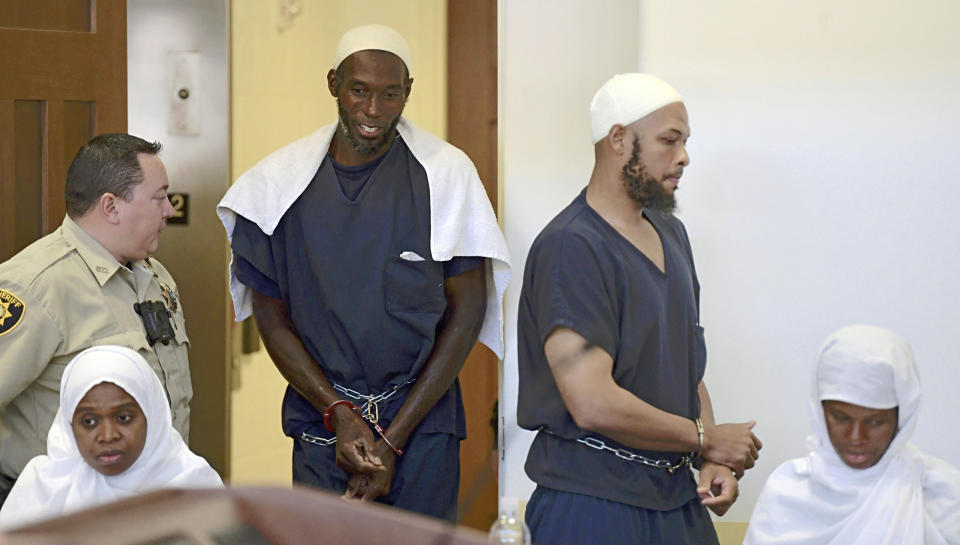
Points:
x=176, y=364
x=179, y=326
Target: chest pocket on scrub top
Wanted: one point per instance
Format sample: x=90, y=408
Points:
x=413, y=286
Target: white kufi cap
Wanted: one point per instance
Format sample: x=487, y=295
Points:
x=625, y=98
x=367, y=37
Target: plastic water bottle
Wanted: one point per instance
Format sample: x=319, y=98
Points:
x=508, y=528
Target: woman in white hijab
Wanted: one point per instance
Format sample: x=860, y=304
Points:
x=862, y=482
x=112, y=437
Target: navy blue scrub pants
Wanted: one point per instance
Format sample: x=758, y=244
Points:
x=566, y=518
x=426, y=481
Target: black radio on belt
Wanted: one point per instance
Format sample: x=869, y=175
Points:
x=156, y=320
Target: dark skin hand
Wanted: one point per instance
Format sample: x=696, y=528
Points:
x=370, y=486
x=731, y=445
x=718, y=487
x=370, y=460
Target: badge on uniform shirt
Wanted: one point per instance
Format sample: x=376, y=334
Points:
x=11, y=311
x=169, y=296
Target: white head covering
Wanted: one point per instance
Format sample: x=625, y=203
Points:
x=906, y=497
x=625, y=98
x=367, y=37
x=61, y=481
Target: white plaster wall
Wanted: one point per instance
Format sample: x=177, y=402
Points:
x=821, y=192
x=553, y=57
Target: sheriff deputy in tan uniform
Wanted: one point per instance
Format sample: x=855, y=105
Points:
x=89, y=283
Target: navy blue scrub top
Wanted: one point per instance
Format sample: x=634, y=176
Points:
x=368, y=316
x=583, y=275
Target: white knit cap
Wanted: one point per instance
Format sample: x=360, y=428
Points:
x=625, y=98
x=367, y=37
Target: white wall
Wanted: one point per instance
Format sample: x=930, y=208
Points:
x=553, y=57
x=821, y=191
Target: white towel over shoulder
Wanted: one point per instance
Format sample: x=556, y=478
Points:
x=462, y=222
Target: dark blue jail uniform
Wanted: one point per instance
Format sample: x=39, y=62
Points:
x=583, y=275
x=351, y=261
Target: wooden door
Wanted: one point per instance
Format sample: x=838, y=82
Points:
x=472, y=127
x=63, y=78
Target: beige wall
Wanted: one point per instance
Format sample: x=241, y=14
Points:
x=731, y=533
x=278, y=94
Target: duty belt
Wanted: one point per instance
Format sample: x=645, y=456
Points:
x=369, y=408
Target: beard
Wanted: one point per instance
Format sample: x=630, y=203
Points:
x=366, y=148
x=643, y=188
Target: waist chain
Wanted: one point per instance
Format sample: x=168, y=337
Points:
x=625, y=454
x=369, y=408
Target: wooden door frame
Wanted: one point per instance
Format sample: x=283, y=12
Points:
x=472, y=127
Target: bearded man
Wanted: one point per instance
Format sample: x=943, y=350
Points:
x=371, y=259
x=611, y=351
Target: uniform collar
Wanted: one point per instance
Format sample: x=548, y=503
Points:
x=100, y=262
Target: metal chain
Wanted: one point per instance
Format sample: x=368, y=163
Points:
x=318, y=440
x=370, y=409
x=624, y=454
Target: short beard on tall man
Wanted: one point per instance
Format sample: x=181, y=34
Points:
x=364, y=148
x=643, y=188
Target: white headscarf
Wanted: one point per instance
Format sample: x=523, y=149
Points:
x=61, y=481
x=906, y=498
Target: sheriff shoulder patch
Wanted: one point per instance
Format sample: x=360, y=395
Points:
x=11, y=311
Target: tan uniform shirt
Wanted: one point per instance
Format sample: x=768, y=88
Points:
x=58, y=296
